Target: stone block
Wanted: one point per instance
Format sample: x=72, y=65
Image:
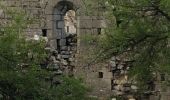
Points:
x=71, y=59
x=53, y=43
x=58, y=33
x=56, y=67
x=133, y=87
x=64, y=48
x=58, y=56
x=13, y=3
x=113, y=64
x=66, y=56
x=60, y=24
x=117, y=92
x=57, y=17
x=62, y=42
x=48, y=24
x=57, y=73
x=64, y=62
x=126, y=89
x=135, y=99
x=120, y=66
x=65, y=52
x=64, y=35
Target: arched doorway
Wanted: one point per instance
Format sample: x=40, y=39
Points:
x=64, y=22
x=64, y=28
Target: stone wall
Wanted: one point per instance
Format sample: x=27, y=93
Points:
x=48, y=21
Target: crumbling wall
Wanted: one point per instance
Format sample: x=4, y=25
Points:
x=106, y=79
x=45, y=22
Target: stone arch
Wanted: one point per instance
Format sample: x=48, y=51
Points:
x=50, y=12
x=58, y=39
x=59, y=13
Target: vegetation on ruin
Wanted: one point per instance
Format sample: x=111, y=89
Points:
x=139, y=29
x=21, y=76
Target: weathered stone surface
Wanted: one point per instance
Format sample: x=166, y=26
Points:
x=132, y=99
x=64, y=62
x=120, y=66
x=56, y=73
x=64, y=48
x=59, y=56
x=71, y=59
x=65, y=52
x=133, y=87
x=49, y=16
x=117, y=92
x=56, y=67
x=66, y=56
x=62, y=42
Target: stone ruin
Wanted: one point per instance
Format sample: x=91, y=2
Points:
x=62, y=23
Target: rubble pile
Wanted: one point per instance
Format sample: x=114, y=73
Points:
x=61, y=61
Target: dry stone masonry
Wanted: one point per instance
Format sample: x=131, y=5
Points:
x=62, y=23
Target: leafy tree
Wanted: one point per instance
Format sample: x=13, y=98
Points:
x=142, y=32
x=21, y=77
x=71, y=89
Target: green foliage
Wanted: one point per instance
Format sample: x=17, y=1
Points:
x=71, y=89
x=142, y=32
x=20, y=74
x=88, y=48
x=95, y=7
